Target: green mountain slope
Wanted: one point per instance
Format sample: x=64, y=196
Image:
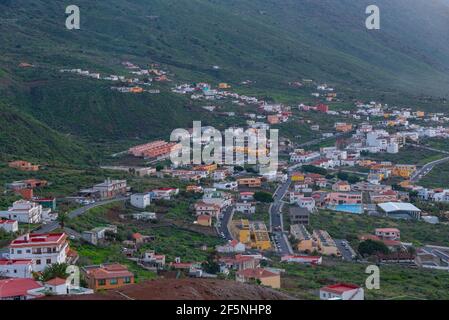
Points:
x=23, y=136
x=270, y=41
x=273, y=40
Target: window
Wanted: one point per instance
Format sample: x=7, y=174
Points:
x=28, y=251
x=102, y=282
x=113, y=281
x=127, y=280
x=19, y=251
x=48, y=261
x=38, y=261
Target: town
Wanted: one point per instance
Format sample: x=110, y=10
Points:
x=347, y=191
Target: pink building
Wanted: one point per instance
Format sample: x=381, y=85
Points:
x=388, y=233
x=344, y=198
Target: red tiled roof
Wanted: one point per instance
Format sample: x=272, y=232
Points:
x=38, y=239
x=17, y=287
x=137, y=236
x=7, y=221
x=4, y=262
x=340, y=288
x=109, y=271
x=56, y=282
x=387, y=230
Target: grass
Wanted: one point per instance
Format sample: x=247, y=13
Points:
x=341, y=226
x=396, y=282
x=171, y=240
x=254, y=40
x=95, y=255
x=437, y=178
x=408, y=155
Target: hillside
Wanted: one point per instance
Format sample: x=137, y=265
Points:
x=22, y=135
x=270, y=42
x=185, y=289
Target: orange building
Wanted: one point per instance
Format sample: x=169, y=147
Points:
x=107, y=276
x=27, y=194
x=209, y=168
x=343, y=127
x=273, y=119
x=23, y=165
x=153, y=149
x=403, y=170
x=223, y=86
x=204, y=220
x=250, y=182
x=35, y=183
x=136, y=90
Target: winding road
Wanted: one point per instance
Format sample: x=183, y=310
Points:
x=425, y=170
x=276, y=219
x=49, y=227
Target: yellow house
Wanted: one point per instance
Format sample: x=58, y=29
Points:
x=260, y=238
x=298, y=177
x=254, y=234
x=259, y=275
x=403, y=170
x=420, y=114
x=240, y=230
x=326, y=245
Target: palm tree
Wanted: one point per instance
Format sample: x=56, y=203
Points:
x=62, y=219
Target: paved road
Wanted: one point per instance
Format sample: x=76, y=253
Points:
x=227, y=216
x=319, y=140
x=346, y=251
x=421, y=173
x=49, y=227
x=276, y=219
x=427, y=148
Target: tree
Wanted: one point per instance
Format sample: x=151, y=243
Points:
x=353, y=179
x=263, y=196
x=57, y=270
x=211, y=265
x=62, y=219
x=370, y=247
x=159, y=167
x=314, y=169
x=342, y=176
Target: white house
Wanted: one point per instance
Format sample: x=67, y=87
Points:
x=219, y=175
x=307, y=202
x=245, y=207
x=233, y=246
x=57, y=286
x=247, y=196
x=9, y=225
x=16, y=268
x=165, y=193
x=304, y=157
x=23, y=211
x=231, y=185
x=141, y=200
x=43, y=249
x=342, y=291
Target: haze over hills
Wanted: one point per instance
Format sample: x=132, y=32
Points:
x=271, y=41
